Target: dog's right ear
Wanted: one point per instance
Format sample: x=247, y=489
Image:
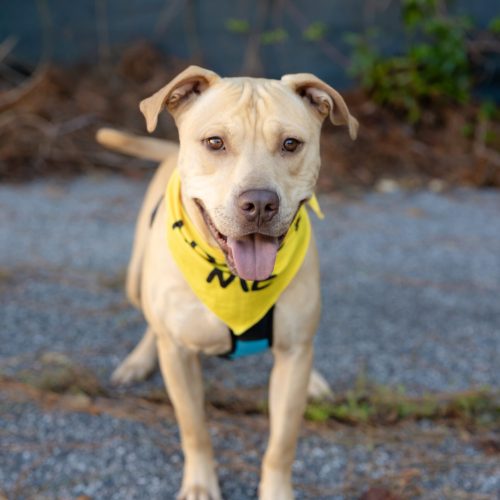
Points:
x=177, y=93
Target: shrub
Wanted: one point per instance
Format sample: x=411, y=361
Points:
x=433, y=68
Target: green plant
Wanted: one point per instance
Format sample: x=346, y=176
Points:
x=488, y=110
x=315, y=32
x=242, y=27
x=237, y=26
x=433, y=68
x=380, y=405
x=271, y=37
x=494, y=25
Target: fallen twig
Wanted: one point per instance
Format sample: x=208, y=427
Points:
x=480, y=148
x=6, y=47
x=13, y=96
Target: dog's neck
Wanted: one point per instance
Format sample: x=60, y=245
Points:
x=195, y=216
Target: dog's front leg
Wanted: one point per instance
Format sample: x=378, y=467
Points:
x=182, y=375
x=287, y=399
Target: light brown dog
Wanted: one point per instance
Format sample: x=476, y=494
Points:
x=237, y=136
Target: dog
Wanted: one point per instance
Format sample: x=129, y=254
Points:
x=224, y=228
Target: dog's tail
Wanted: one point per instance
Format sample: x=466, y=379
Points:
x=134, y=145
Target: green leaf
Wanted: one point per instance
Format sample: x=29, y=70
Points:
x=317, y=412
x=238, y=26
x=487, y=110
x=315, y=32
x=494, y=25
x=277, y=35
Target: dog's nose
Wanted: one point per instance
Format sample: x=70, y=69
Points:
x=258, y=205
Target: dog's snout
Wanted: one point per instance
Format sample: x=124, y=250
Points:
x=258, y=205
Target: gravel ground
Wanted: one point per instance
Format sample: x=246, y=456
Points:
x=410, y=297
x=60, y=454
x=410, y=284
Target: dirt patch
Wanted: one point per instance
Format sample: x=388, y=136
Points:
x=369, y=406
x=48, y=127
x=406, y=460
x=449, y=148
x=55, y=372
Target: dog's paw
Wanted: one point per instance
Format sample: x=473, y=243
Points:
x=132, y=370
x=197, y=492
x=318, y=388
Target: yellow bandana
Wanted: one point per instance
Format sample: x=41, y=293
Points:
x=238, y=303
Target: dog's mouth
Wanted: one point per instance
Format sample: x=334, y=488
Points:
x=251, y=256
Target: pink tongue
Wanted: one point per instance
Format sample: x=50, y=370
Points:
x=254, y=256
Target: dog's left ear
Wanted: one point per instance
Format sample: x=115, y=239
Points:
x=177, y=94
x=326, y=100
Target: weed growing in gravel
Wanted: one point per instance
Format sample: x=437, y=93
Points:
x=384, y=405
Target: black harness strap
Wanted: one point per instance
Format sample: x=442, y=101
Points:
x=257, y=338
x=155, y=211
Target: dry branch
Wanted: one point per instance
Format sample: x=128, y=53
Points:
x=10, y=98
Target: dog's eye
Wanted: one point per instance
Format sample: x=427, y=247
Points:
x=215, y=143
x=291, y=144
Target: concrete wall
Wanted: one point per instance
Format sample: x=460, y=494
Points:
x=86, y=30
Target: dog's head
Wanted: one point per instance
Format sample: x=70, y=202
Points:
x=249, y=154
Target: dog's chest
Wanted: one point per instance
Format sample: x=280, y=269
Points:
x=170, y=305
x=192, y=324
